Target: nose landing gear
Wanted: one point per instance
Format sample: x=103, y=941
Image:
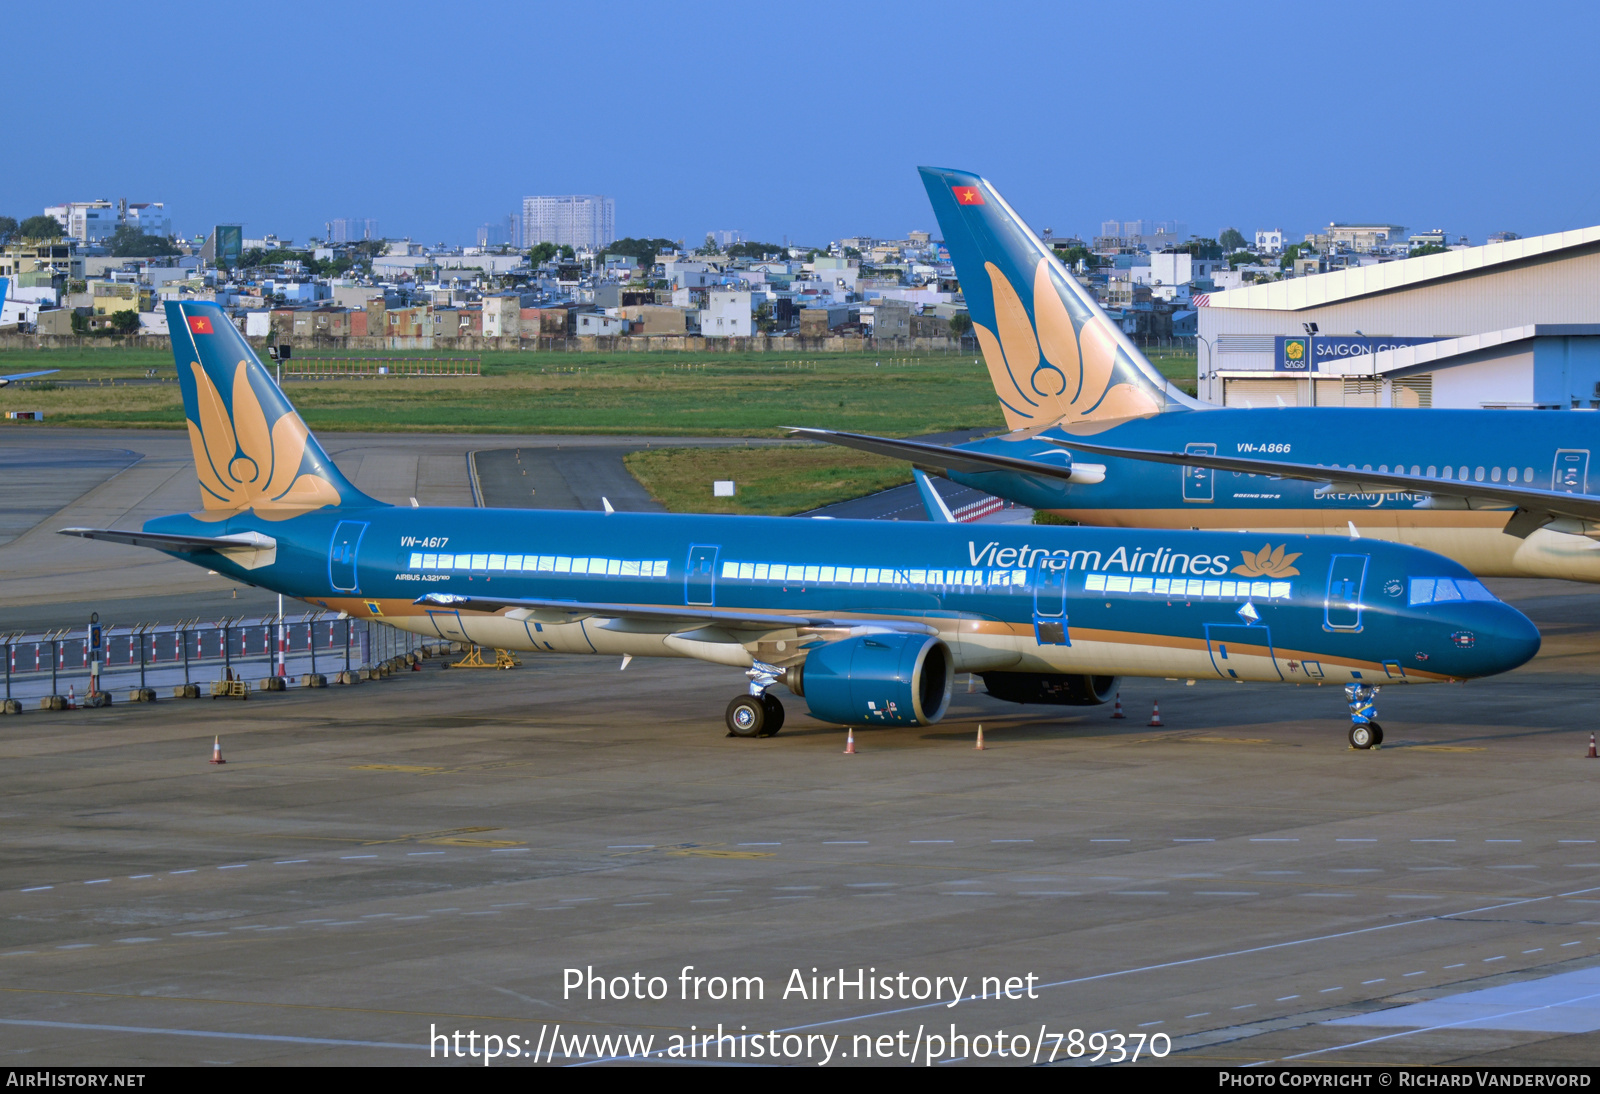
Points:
x=1365, y=732
x=759, y=713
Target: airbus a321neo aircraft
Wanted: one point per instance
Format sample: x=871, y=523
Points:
x=868, y=621
x=5, y=285
x=1501, y=493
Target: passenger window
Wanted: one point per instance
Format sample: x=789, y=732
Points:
x=1449, y=472
x=1433, y=471
x=1527, y=474
x=1476, y=474
x=1511, y=474
x=1494, y=474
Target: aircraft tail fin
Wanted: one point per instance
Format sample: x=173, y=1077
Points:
x=251, y=449
x=1053, y=355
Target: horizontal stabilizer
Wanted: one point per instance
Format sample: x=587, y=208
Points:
x=26, y=375
x=964, y=460
x=1535, y=507
x=249, y=541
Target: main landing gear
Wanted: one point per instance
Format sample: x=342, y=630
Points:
x=1364, y=731
x=759, y=713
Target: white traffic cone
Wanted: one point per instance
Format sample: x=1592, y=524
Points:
x=1155, y=713
x=1117, y=713
x=980, y=746
x=850, y=743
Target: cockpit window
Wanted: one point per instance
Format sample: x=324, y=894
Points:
x=1439, y=590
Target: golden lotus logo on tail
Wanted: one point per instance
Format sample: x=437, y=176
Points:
x=245, y=464
x=1267, y=562
x=1047, y=369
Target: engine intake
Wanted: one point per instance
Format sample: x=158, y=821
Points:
x=1055, y=689
x=878, y=679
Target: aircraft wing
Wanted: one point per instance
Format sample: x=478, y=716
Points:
x=965, y=460
x=1534, y=507
x=182, y=544
x=574, y=610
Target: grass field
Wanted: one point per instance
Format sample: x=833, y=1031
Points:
x=669, y=394
x=772, y=482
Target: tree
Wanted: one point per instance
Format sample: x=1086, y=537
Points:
x=567, y=252
x=125, y=322
x=8, y=229
x=709, y=247
x=129, y=242
x=1294, y=251
x=1240, y=258
x=756, y=250
x=960, y=324
x=1232, y=239
x=40, y=227
x=1201, y=248
x=1071, y=256
x=541, y=253
x=644, y=250
x=1427, y=249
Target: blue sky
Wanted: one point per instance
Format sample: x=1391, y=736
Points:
x=807, y=120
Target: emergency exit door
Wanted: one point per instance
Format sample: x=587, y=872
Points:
x=1199, y=483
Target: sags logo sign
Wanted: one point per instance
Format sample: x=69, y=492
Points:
x=1302, y=354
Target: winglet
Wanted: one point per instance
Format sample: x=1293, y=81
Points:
x=938, y=511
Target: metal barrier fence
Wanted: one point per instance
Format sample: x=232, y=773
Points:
x=368, y=368
x=59, y=662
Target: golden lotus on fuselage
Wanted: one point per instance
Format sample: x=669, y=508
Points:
x=244, y=463
x=1267, y=562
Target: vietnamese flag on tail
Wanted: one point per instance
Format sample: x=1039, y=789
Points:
x=967, y=195
x=199, y=324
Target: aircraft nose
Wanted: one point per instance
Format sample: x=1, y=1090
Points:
x=1487, y=638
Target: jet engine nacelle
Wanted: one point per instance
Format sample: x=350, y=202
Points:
x=1056, y=689
x=877, y=679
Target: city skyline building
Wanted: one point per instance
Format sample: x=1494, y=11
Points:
x=351, y=229
x=573, y=220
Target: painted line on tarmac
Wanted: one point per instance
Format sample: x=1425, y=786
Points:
x=1446, y=1025
x=1186, y=961
x=154, y=1031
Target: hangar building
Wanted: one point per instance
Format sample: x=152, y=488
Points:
x=1509, y=325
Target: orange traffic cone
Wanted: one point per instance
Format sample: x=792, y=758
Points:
x=1593, y=755
x=1155, y=713
x=72, y=697
x=850, y=743
x=980, y=745
x=1118, y=712
x=216, y=751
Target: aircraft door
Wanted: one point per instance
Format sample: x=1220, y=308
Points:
x=1228, y=644
x=1342, y=608
x=700, y=582
x=1571, y=472
x=1050, y=607
x=342, y=555
x=1199, y=483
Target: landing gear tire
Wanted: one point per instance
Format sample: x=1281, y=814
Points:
x=1377, y=733
x=1364, y=735
x=774, y=710
x=746, y=716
